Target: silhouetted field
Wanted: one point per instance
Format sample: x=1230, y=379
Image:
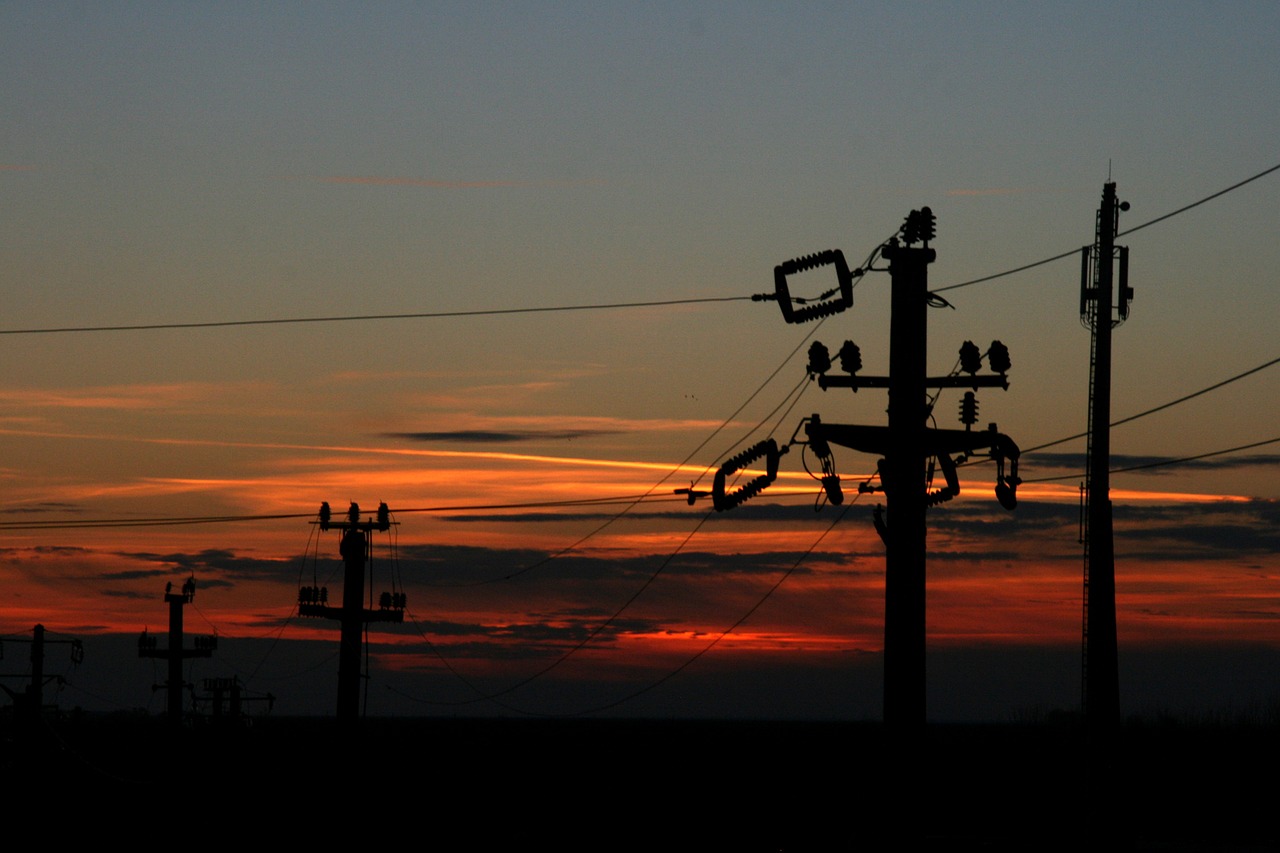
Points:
x=607, y=785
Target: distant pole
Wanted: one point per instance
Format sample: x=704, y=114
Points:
x=176, y=603
x=176, y=654
x=352, y=616
x=28, y=706
x=35, y=697
x=1102, y=311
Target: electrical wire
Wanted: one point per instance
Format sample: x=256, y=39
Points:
x=489, y=312
x=631, y=500
x=750, y=612
x=421, y=315
x=1076, y=251
x=1159, y=408
x=1160, y=463
x=481, y=696
x=595, y=632
x=107, y=523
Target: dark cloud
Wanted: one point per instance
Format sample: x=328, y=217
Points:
x=460, y=565
x=133, y=574
x=42, y=507
x=1183, y=531
x=38, y=550
x=131, y=595
x=975, y=556
x=757, y=512
x=225, y=562
x=480, y=436
x=1155, y=464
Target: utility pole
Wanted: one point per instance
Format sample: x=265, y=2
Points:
x=229, y=692
x=908, y=447
x=1101, y=311
x=176, y=654
x=29, y=704
x=356, y=550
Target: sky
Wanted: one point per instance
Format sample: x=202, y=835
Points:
x=210, y=163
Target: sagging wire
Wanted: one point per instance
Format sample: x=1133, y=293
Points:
x=595, y=632
x=750, y=612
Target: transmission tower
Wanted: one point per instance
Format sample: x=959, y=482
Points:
x=1103, y=306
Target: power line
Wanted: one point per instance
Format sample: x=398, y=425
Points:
x=1163, y=462
x=217, y=519
x=489, y=312
x=647, y=497
x=745, y=616
x=280, y=321
x=1076, y=252
x=1159, y=408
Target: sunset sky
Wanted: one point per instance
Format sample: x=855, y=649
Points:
x=206, y=163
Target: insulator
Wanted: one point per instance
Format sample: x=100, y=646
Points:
x=877, y=520
x=926, y=224
x=910, y=230
x=782, y=291
x=938, y=496
x=814, y=312
x=970, y=357
x=353, y=513
x=384, y=517
x=1007, y=486
x=808, y=262
x=384, y=601
x=998, y=358
x=850, y=357
x=968, y=409
x=831, y=485
x=819, y=358
x=325, y=515
x=768, y=450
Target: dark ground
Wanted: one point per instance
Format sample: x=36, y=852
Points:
x=685, y=785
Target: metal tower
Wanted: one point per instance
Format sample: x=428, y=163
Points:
x=1103, y=306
